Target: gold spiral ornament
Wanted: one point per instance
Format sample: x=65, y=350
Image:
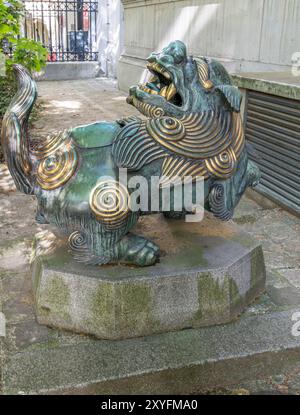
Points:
x=238, y=138
x=203, y=72
x=77, y=242
x=81, y=249
x=47, y=146
x=110, y=203
x=217, y=202
x=223, y=164
x=148, y=110
x=179, y=167
x=195, y=136
x=166, y=129
x=156, y=112
x=56, y=169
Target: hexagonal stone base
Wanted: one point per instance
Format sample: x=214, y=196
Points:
x=208, y=273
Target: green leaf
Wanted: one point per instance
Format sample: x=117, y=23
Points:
x=27, y=52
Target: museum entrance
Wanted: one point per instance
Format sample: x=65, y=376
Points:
x=67, y=28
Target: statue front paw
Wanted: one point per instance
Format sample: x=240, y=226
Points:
x=139, y=251
x=253, y=174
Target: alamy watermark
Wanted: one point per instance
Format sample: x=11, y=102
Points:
x=296, y=64
x=2, y=325
x=296, y=325
x=2, y=64
x=157, y=194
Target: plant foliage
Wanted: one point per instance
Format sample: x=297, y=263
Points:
x=14, y=47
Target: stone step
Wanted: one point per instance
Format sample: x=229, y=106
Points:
x=187, y=361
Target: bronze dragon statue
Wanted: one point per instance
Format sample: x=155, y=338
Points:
x=193, y=128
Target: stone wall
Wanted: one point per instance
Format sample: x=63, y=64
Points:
x=110, y=35
x=247, y=35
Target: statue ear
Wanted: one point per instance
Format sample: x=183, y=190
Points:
x=232, y=95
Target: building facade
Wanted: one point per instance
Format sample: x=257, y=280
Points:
x=246, y=35
x=82, y=31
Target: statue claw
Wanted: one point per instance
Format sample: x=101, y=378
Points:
x=137, y=250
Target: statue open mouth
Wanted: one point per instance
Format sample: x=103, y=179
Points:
x=179, y=84
x=161, y=83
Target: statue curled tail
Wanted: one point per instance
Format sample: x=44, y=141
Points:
x=15, y=141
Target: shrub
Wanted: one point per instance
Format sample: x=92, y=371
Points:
x=8, y=89
x=15, y=49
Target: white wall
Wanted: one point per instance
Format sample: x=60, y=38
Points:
x=248, y=35
x=110, y=35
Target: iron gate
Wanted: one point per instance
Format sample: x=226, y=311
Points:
x=273, y=127
x=67, y=28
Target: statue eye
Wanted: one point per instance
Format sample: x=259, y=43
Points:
x=167, y=59
x=178, y=57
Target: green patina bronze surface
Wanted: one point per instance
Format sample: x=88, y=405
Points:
x=193, y=128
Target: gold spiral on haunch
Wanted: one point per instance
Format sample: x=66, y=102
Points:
x=47, y=146
x=77, y=242
x=166, y=128
x=56, y=169
x=222, y=165
x=110, y=203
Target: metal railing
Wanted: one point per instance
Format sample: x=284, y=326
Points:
x=67, y=28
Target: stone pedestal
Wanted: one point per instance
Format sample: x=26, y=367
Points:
x=208, y=274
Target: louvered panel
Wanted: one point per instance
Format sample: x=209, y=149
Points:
x=291, y=183
x=264, y=134
x=265, y=164
x=285, y=155
x=269, y=120
x=272, y=126
x=271, y=110
x=276, y=134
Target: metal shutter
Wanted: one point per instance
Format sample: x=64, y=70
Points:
x=272, y=126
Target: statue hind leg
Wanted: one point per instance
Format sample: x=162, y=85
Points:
x=98, y=246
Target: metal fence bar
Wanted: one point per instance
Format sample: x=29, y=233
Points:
x=67, y=28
